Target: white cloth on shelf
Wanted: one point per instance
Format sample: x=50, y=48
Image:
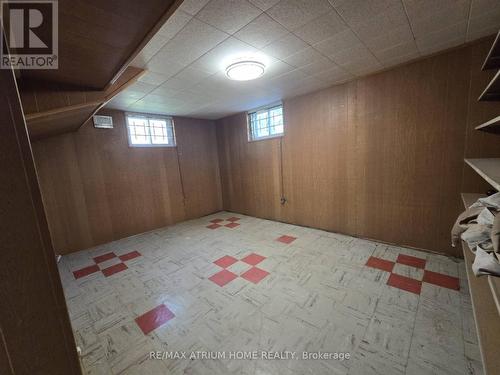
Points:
x=477, y=235
x=492, y=201
x=485, y=263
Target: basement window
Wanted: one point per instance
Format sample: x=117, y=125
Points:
x=150, y=131
x=265, y=123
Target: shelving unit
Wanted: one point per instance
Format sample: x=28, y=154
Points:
x=484, y=305
x=485, y=290
x=492, y=91
x=493, y=59
x=489, y=169
x=492, y=126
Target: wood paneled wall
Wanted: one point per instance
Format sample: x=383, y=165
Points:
x=35, y=332
x=97, y=189
x=380, y=157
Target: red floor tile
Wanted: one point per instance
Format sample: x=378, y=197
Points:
x=213, y=226
x=114, y=269
x=381, y=264
x=411, y=261
x=405, y=283
x=104, y=257
x=223, y=277
x=232, y=225
x=253, y=259
x=215, y=221
x=225, y=261
x=128, y=256
x=439, y=279
x=154, y=318
x=254, y=275
x=234, y=218
x=286, y=239
x=85, y=271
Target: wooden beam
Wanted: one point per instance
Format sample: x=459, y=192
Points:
x=161, y=21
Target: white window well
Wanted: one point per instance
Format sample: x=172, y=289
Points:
x=266, y=123
x=150, y=130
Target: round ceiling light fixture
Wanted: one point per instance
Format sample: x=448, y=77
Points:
x=245, y=70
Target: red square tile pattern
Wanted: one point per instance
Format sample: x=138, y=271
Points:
x=225, y=261
x=128, y=256
x=254, y=275
x=213, y=226
x=286, y=239
x=86, y=271
x=405, y=283
x=381, y=264
x=439, y=279
x=114, y=269
x=253, y=259
x=228, y=223
x=223, y=277
x=411, y=261
x=409, y=284
x=104, y=257
x=154, y=318
x=109, y=270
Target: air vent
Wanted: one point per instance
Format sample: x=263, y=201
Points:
x=105, y=122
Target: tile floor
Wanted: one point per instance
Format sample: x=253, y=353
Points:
x=230, y=283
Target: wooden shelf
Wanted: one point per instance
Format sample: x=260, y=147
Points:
x=493, y=59
x=492, y=91
x=492, y=126
x=485, y=315
x=485, y=298
x=489, y=169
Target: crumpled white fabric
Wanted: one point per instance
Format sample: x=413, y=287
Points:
x=492, y=201
x=485, y=263
x=478, y=234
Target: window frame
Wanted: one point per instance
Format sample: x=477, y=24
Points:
x=267, y=108
x=148, y=117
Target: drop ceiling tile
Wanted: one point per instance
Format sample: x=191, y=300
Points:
x=153, y=78
x=295, y=13
x=339, y=42
x=382, y=23
x=481, y=7
x=276, y=68
x=289, y=81
x=141, y=87
x=484, y=24
x=193, y=6
x=264, y=4
x=165, y=91
x=333, y=75
x=440, y=18
x=261, y=31
x=360, y=11
x=442, y=36
x=398, y=60
x=174, y=24
x=318, y=66
x=285, y=46
x=194, y=40
x=228, y=15
x=186, y=79
x=389, y=54
x=418, y=9
x=321, y=28
x=151, y=48
x=158, y=65
x=443, y=45
x=305, y=57
x=394, y=37
x=226, y=52
x=363, y=67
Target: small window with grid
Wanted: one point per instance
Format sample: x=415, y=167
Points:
x=266, y=123
x=150, y=131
